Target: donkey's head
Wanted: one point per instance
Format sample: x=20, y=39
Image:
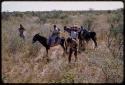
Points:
x=35, y=38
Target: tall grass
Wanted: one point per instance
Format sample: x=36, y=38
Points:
x=22, y=61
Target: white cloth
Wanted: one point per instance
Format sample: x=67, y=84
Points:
x=73, y=34
x=55, y=31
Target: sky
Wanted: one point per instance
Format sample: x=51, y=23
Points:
x=59, y=5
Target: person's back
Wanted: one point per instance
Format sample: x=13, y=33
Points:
x=73, y=35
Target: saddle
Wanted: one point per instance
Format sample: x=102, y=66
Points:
x=54, y=40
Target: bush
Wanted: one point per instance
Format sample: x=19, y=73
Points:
x=68, y=78
x=88, y=23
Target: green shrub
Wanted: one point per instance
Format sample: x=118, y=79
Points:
x=68, y=78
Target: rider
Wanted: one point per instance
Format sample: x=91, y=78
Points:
x=83, y=31
x=73, y=33
x=66, y=29
x=55, y=35
x=56, y=31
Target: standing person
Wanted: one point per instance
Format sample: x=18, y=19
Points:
x=21, y=31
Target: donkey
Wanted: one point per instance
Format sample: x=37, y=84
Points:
x=72, y=44
x=86, y=36
x=43, y=41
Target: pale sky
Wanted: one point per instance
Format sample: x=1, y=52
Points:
x=59, y=5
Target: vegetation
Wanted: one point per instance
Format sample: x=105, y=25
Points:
x=24, y=62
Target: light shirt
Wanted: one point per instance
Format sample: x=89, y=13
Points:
x=73, y=34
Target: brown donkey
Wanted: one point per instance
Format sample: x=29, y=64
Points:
x=72, y=44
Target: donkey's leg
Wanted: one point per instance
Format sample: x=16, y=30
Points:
x=83, y=45
x=70, y=54
x=62, y=45
x=75, y=54
x=66, y=47
x=80, y=45
x=94, y=39
x=47, y=54
x=63, y=49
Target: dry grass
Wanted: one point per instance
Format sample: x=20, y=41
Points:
x=24, y=62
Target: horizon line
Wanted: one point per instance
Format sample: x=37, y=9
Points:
x=65, y=10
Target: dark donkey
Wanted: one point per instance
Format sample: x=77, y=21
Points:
x=85, y=35
x=43, y=41
x=72, y=44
